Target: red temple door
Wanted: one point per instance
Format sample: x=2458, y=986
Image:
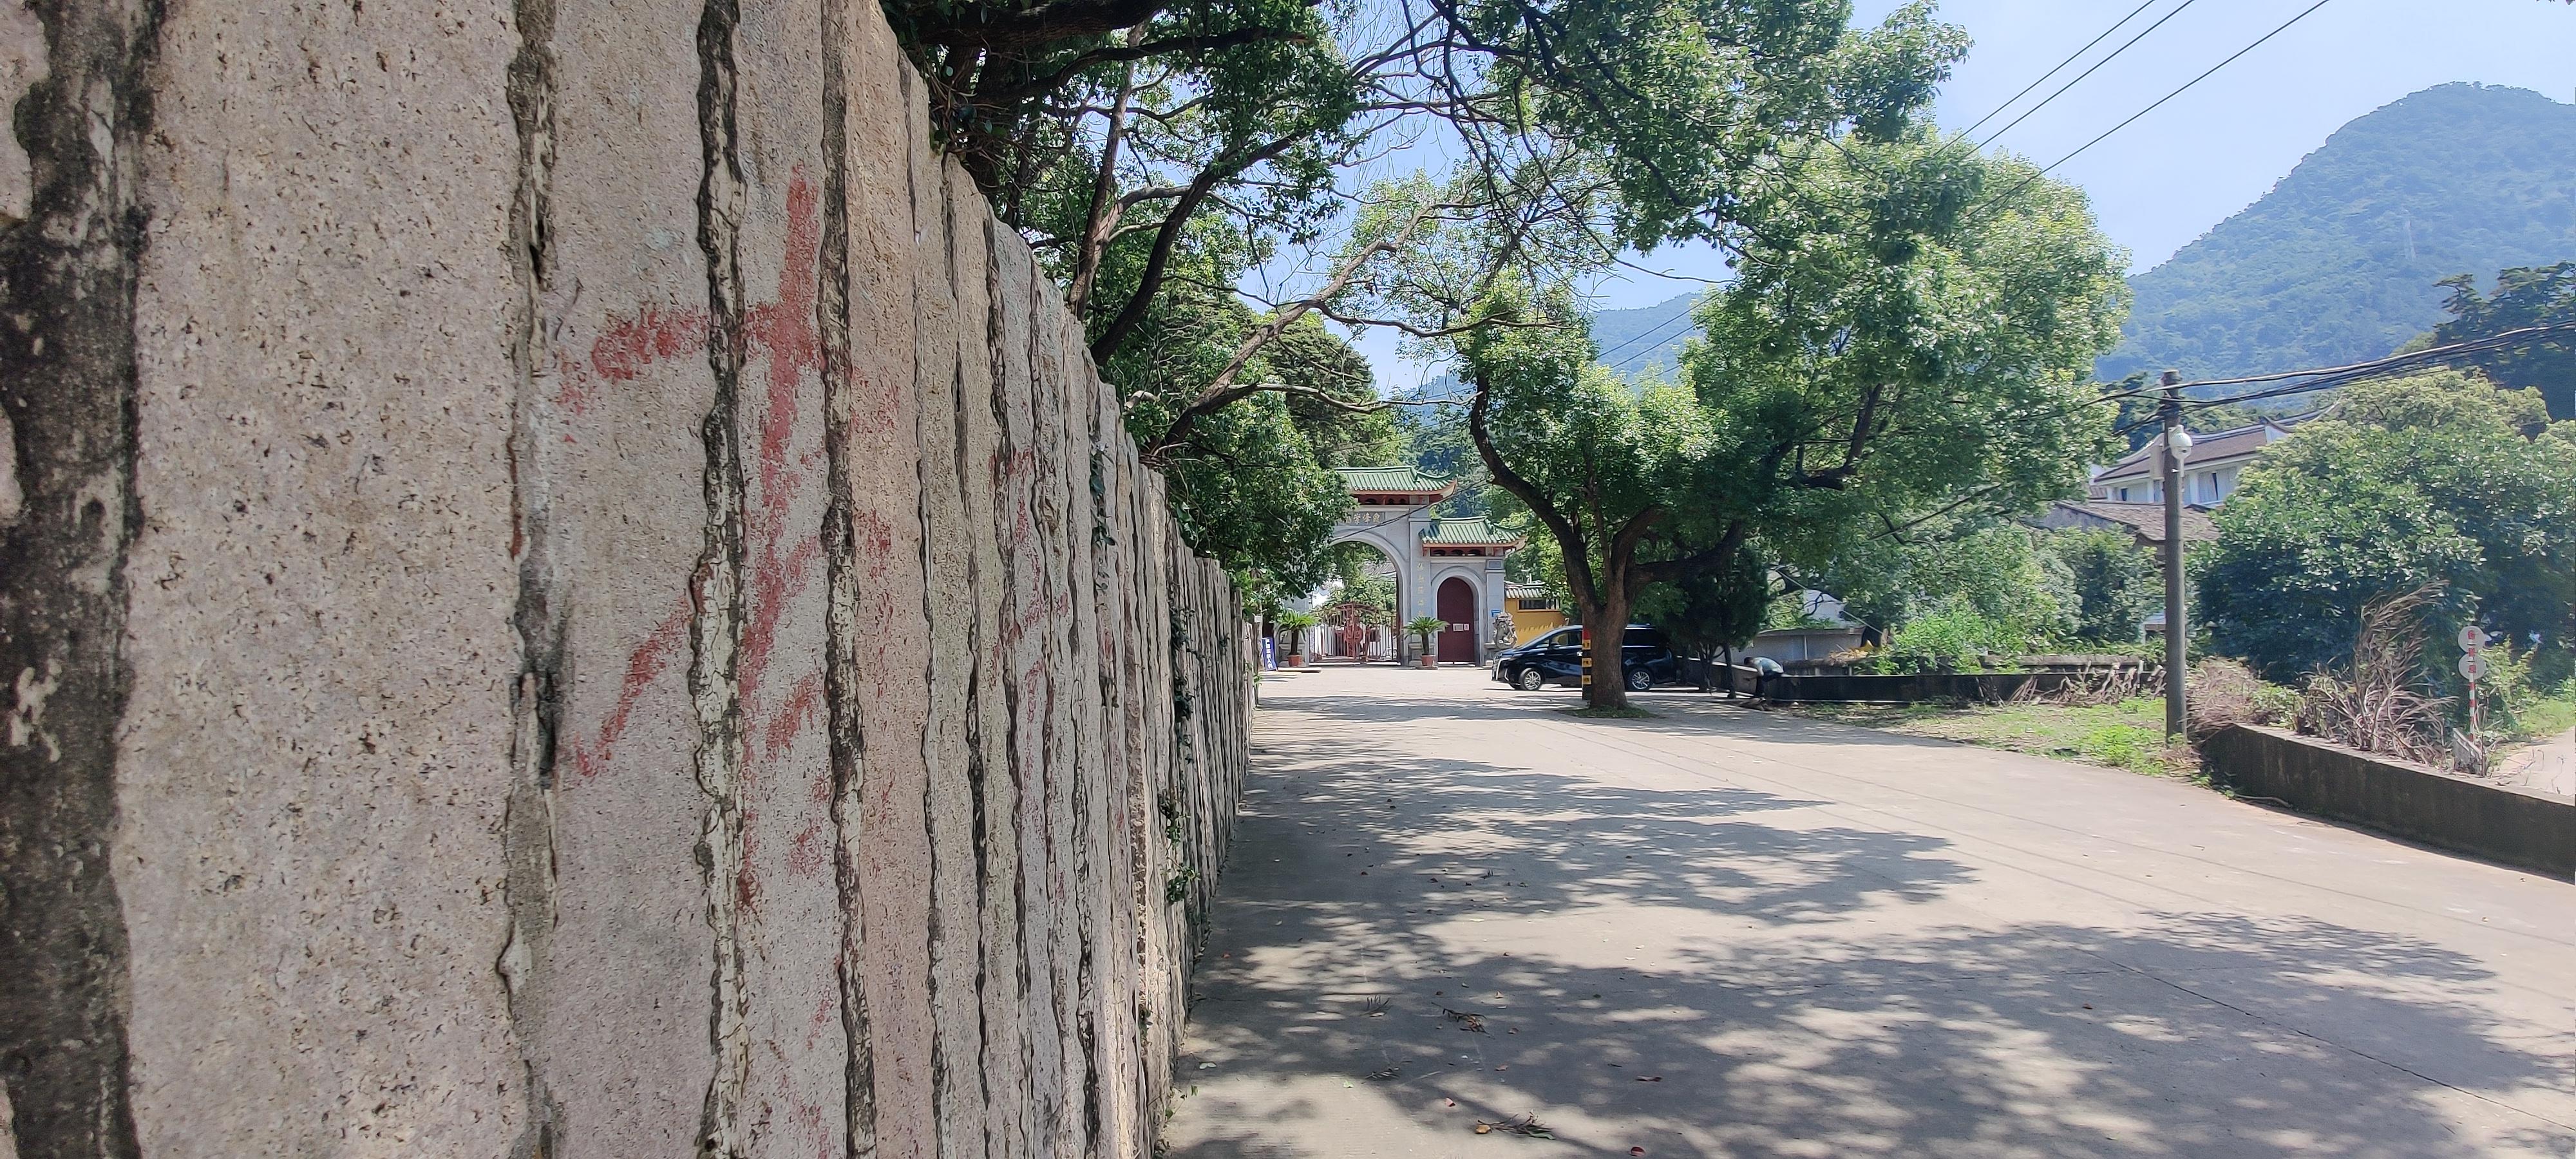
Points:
x=1457, y=605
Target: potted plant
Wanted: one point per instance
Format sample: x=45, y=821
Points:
x=1296, y=623
x=1424, y=628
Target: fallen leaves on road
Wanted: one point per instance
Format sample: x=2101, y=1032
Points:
x=1465, y=1020
x=1525, y=1125
x=1383, y=1075
x=1650, y=1079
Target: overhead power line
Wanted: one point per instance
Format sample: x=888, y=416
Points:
x=2329, y=377
x=2071, y=58
x=2160, y=102
x=2097, y=66
x=1666, y=331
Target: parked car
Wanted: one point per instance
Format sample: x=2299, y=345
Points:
x=1557, y=658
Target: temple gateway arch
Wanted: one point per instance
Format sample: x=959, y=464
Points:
x=1447, y=567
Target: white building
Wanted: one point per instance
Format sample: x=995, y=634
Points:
x=2209, y=472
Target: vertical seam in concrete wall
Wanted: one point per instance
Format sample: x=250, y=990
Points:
x=1006, y=513
x=935, y=934
x=528, y=821
x=715, y=628
x=68, y=388
x=978, y=817
x=840, y=626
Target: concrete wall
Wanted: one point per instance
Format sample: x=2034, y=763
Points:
x=2513, y=826
x=1794, y=645
x=567, y=590
x=1908, y=688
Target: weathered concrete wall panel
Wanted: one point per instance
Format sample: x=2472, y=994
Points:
x=611, y=946
x=315, y=759
x=631, y=625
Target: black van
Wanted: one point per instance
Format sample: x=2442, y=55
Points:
x=1557, y=658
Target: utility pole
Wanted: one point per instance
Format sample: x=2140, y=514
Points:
x=2177, y=443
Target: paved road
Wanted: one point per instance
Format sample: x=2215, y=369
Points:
x=2547, y=767
x=1726, y=933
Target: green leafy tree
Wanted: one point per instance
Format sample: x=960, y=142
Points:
x=1910, y=333
x=1705, y=614
x=2112, y=582
x=1296, y=624
x=1947, y=639
x=2524, y=297
x=1249, y=491
x=2427, y=479
x=1158, y=154
x=1993, y=568
x=1424, y=628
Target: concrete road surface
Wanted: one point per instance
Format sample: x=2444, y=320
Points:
x=1722, y=932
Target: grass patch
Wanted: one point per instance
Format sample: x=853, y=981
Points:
x=2127, y=735
x=2547, y=716
x=1590, y=713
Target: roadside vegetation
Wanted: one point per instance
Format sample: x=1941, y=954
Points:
x=2125, y=734
x=1895, y=379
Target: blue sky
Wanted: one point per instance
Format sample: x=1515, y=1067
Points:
x=2212, y=151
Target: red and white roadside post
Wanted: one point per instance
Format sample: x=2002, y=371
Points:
x=2473, y=668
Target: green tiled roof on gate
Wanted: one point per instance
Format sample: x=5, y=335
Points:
x=1473, y=532
x=1406, y=479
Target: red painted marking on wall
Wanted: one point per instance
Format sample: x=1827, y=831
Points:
x=643, y=666
x=780, y=730
x=785, y=329
x=827, y=1015
x=781, y=565
x=1012, y=630
x=806, y=852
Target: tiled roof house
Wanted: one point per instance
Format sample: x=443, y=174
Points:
x=2210, y=471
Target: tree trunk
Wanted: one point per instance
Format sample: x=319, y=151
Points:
x=1730, y=672
x=1606, y=625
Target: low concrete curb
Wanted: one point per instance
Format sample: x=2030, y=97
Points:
x=2515, y=827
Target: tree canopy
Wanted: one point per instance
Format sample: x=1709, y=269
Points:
x=1907, y=338
x=2435, y=478
x=2524, y=297
x=1158, y=155
x=1708, y=612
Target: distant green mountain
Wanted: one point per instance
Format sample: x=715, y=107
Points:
x=1646, y=339
x=2337, y=263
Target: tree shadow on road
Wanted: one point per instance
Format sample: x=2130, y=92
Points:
x=1788, y=997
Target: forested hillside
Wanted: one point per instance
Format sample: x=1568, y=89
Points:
x=2338, y=262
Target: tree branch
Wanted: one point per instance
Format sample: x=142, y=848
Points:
x=1160, y=259
x=1569, y=539
x=1052, y=21
x=1134, y=51
x=1097, y=220
x=1221, y=390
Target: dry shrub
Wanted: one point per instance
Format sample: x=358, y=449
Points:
x=2373, y=705
x=2225, y=692
x=2109, y=686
